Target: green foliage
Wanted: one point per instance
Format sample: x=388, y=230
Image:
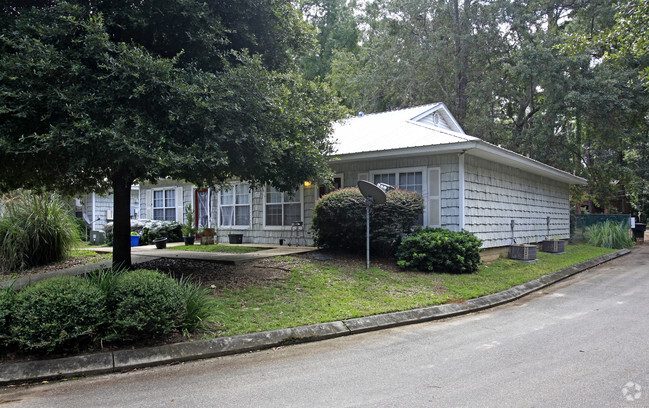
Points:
x=7, y=300
x=189, y=227
x=144, y=304
x=57, y=314
x=609, y=234
x=198, y=304
x=339, y=220
x=161, y=229
x=440, y=250
x=35, y=229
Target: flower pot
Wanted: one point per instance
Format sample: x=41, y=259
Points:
x=135, y=240
x=189, y=240
x=160, y=243
x=235, y=238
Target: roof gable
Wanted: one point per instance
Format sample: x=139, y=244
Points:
x=438, y=116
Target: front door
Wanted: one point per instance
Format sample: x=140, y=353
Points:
x=202, y=206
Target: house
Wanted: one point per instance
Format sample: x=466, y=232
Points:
x=500, y=196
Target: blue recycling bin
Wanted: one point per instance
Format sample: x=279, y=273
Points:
x=135, y=240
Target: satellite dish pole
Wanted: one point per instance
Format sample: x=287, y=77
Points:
x=373, y=195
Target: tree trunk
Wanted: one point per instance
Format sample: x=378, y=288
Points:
x=121, y=221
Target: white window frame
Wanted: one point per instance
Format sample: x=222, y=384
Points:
x=282, y=227
x=233, y=187
x=424, y=188
x=165, y=208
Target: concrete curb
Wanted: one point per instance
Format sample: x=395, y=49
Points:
x=120, y=360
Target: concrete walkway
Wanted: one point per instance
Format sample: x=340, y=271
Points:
x=149, y=252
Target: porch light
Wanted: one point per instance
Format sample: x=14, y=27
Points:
x=307, y=184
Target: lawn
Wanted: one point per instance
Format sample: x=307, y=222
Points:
x=314, y=291
x=217, y=248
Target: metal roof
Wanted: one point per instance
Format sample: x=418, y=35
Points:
x=405, y=132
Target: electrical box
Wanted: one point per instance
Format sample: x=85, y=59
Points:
x=97, y=237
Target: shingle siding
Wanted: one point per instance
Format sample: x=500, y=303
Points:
x=496, y=194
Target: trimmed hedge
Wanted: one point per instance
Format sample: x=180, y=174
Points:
x=440, y=250
x=144, y=304
x=57, y=314
x=339, y=220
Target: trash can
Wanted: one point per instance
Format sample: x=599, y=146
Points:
x=135, y=240
x=638, y=232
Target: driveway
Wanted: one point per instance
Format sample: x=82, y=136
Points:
x=581, y=343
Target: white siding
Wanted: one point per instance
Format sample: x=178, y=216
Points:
x=496, y=194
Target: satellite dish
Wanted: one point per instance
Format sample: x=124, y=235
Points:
x=371, y=192
x=373, y=195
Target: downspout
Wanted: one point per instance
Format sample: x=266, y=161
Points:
x=461, y=189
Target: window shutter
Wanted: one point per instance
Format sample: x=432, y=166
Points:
x=434, y=202
x=179, y=204
x=148, y=204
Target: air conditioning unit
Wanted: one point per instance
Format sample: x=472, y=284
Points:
x=522, y=252
x=97, y=237
x=553, y=246
x=109, y=215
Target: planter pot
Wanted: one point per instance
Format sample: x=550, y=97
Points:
x=523, y=252
x=553, y=246
x=235, y=238
x=189, y=240
x=135, y=240
x=160, y=243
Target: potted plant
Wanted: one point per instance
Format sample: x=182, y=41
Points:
x=160, y=243
x=188, y=229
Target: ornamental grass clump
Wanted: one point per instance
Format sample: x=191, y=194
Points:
x=610, y=234
x=440, y=250
x=35, y=229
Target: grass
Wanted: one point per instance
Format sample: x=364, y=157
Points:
x=317, y=292
x=217, y=248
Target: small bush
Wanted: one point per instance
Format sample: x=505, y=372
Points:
x=339, y=220
x=7, y=299
x=610, y=234
x=440, y=250
x=57, y=314
x=35, y=229
x=144, y=304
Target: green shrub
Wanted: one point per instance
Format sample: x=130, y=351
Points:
x=57, y=314
x=144, y=304
x=7, y=300
x=35, y=229
x=610, y=234
x=440, y=250
x=339, y=220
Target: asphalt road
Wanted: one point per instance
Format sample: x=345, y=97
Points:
x=581, y=343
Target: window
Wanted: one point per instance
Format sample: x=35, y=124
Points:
x=234, y=206
x=164, y=205
x=413, y=180
x=282, y=208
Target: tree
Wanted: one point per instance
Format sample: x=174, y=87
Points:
x=100, y=96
